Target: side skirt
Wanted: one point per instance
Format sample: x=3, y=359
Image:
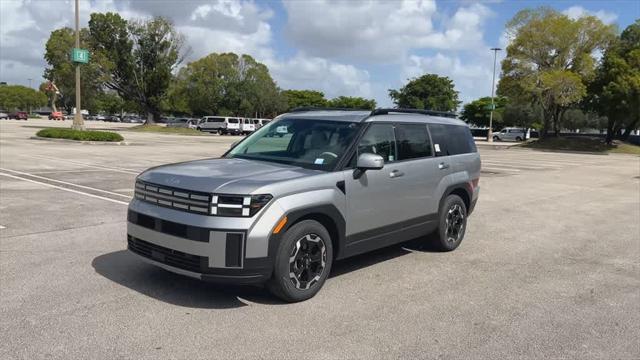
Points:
x=389, y=235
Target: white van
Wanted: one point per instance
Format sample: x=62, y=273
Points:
x=248, y=125
x=222, y=125
x=261, y=122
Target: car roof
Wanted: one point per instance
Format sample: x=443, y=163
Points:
x=369, y=116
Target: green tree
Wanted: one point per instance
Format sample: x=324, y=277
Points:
x=61, y=70
x=226, y=84
x=550, y=59
x=478, y=112
x=18, y=97
x=108, y=102
x=352, y=102
x=303, y=98
x=430, y=91
x=136, y=59
x=524, y=115
x=615, y=91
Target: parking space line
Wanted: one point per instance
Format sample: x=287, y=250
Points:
x=117, y=169
x=65, y=189
x=64, y=182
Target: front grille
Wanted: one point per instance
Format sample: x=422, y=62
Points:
x=194, y=233
x=167, y=256
x=183, y=200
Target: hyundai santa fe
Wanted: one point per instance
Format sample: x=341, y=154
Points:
x=309, y=188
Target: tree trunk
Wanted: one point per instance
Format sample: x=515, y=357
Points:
x=150, y=118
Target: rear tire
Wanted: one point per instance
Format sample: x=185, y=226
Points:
x=303, y=262
x=518, y=138
x=452, y=224
x=495, y=138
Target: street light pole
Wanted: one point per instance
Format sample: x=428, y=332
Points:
x=30, y=102
x=493, y=84
x=78, y=122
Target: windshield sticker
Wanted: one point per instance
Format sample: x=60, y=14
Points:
x=437, y=146
x=319, y=161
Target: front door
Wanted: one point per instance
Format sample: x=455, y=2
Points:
x=378, y=199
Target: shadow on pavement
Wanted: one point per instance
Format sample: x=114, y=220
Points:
x=127, y=270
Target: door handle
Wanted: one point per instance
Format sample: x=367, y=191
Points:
x=443, y=166
x=395, y=174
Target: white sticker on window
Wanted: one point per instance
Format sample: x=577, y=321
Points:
x=319, y=161
x=437, y=147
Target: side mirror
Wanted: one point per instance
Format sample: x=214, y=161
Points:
x=367, y=161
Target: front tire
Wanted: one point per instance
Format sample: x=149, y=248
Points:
x=452, y=224
x=303, y=262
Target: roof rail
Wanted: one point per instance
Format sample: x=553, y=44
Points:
x=414, y=111
x=314, y=108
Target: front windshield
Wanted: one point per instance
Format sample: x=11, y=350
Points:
x=313, y=144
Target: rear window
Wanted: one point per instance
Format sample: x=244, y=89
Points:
x=412, y=141
x=233, y=121
x=451, y=139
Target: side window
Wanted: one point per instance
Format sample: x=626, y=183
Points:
x=456, y=139
x=413, y=141
x=440, y=139
x=379, y=139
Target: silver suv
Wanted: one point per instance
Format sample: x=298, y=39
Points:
x=309, y=188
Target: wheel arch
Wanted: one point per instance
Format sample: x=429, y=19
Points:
x=463, y=190
x=328, y=216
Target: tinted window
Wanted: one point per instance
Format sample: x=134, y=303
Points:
x=413, y=141
x=451, y=139
x=379, y=139
x=215, y=119
x=233, y=121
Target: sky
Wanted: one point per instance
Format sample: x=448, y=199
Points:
x=351, y=48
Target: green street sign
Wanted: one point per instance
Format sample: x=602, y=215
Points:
x=79, y=56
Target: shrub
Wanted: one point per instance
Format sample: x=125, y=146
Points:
x=80, y=135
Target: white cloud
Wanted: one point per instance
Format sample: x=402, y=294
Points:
x=332, y=78
x=576, y=12
x=379, y=31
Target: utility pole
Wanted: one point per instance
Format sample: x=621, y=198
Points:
x=493, y=84
x=78, y=122
x=30, y=88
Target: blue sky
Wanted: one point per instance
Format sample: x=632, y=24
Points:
x=355, y=48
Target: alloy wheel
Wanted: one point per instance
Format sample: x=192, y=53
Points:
x=454, y=223
x=307, y=261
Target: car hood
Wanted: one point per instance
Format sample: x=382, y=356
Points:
x=231, y=176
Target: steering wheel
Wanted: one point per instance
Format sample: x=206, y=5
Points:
x=329, y=153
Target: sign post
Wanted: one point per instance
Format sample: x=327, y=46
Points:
x=78, y=56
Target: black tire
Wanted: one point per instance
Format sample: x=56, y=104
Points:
x=495, y=138
x=307, y=234
x=518, y=138
x=444, y=239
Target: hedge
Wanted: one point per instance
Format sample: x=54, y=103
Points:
x=80, y=135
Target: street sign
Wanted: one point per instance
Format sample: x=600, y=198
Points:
x=79, y=56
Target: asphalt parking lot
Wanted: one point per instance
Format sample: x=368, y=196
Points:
x=550, y=267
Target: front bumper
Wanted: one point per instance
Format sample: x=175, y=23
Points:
x=228, y=250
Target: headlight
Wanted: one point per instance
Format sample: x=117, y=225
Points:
x=238, y=205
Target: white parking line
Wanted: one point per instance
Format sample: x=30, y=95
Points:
x=66, y=183
x=2, y=227
x=65, y=189
x=112, y=168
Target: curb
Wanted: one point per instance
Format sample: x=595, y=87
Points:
x=118, y=143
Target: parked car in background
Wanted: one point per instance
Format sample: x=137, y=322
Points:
x=19, y=115
x=184, y=123
x=3, y=115
x=511, y=134
x=56, y=115
x=261, y=122
x=132, y=120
